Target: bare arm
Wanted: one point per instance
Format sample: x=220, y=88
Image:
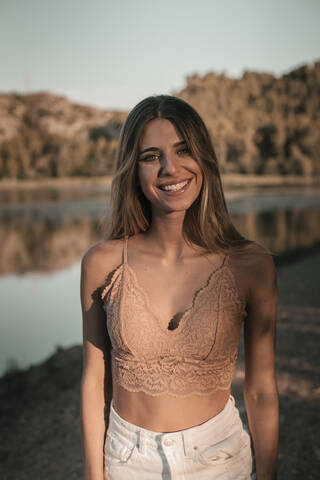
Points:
x=260, y=388
x=96, y=384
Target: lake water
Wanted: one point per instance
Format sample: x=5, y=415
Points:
x=43, y=240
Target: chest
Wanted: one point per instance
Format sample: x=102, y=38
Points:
x=209, y=324
x=171, y=295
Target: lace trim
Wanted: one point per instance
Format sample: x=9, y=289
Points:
x=174, y=375
x=110, y=281
x=217, y=322
x=233, y=286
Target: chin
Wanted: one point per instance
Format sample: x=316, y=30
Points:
x=182, y=206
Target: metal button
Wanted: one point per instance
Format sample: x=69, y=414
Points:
x=195, y=447
x=168, y=442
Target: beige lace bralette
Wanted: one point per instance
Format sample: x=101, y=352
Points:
x=198, y=356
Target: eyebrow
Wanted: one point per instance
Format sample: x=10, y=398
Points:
x=155, y=149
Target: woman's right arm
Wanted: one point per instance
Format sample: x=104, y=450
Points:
x=96, y=384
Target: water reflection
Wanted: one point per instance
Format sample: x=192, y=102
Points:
x=51, y=235
x=98, y=188
x=282, y=231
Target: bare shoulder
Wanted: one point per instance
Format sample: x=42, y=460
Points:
x=254, y=258
x=101, y=258
x=255, y=267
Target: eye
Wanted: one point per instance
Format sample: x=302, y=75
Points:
x=184, y=151
x=150, y=158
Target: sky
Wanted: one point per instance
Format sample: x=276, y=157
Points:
x=111, y=54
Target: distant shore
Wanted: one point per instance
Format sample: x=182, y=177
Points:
x=55, y=183
x=228, y=180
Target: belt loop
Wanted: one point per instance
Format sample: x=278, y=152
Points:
x=142, y=442
x=184, y=444
x=189, y=448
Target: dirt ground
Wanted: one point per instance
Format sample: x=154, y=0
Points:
x=40, y=407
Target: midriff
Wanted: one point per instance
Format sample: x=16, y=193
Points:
x=166, y=413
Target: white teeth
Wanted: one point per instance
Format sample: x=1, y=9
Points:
x=175, y=187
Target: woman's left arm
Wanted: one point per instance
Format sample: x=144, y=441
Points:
x=260, y=388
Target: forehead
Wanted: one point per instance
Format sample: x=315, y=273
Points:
x=157, y=132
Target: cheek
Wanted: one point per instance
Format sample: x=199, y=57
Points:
x=199, y=174
x=142, y=177
x=145, y=177
x=199, y=183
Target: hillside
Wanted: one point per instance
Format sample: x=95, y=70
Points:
x=43, y=135
x=260, y=124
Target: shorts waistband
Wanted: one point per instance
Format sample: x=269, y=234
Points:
x=219, y=425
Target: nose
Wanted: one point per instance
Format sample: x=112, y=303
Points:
x=168, y=163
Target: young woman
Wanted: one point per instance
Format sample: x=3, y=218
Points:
x=164, y=298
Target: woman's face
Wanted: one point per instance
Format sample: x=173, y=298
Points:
x=169, y=176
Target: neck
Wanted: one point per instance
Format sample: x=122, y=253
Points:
x=165, y=235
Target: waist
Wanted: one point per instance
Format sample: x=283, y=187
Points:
x=167, y=413
x=217, y=427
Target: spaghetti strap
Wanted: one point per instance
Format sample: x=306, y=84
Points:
x=225, y=260
x=125, y=250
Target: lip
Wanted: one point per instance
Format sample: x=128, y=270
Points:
x=173, y=193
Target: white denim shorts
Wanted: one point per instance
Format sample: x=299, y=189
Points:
x=216, y=449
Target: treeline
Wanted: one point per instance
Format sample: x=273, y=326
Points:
x=42, y=135
x=260, y=124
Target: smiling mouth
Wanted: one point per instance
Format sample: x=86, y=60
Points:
x=175, y=188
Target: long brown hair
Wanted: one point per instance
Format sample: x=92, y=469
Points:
x=207, y=222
